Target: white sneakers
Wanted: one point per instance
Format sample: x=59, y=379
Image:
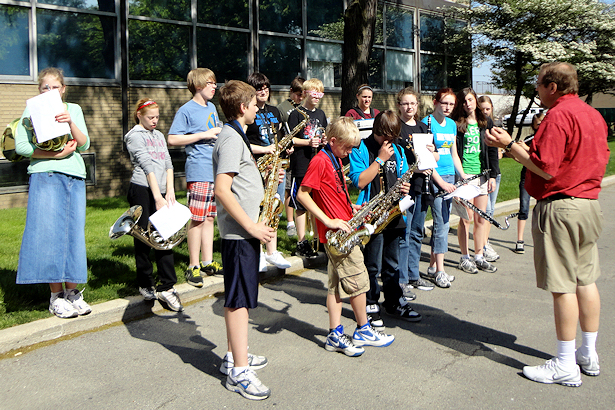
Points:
x=277, y=260
x=552, y=372
x=68, y=304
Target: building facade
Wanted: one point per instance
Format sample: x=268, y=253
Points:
x=114, y=52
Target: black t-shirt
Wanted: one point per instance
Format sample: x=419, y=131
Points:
x=266, y=127
x=405, y=139
x=300, y=158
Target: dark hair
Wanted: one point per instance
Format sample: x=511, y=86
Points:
x=460, y=115
x=562, y=74
x=258, y=81
x=387, y=125
x=232, y=94
x=296, y=86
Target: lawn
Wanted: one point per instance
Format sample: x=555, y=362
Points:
x=111, y=264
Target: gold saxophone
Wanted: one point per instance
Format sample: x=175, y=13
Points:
x=286, y=142
x=271, y=207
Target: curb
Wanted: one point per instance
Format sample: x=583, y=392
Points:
x=123, y=310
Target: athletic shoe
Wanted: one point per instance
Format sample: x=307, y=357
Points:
x=305, y=249
x=193, y=276
x=254, y=362
x=439, y=278
x=373, y=316
x=406, y=288
x=62, y=308
x=148, y=293
x=171, y=299
x=291, y=231
x=490, y=254
x=551, y=372
x=519, y=247
x=404, y=312
x=420, y=284
x=248, y=385
x=278, y=260
x=432, y=271
x=262, y=263
x=467, y=265
x=368, y=336
x=589, y=365
x=482, y=264
x=340, y=342
x=211, y=269
x=75, y=298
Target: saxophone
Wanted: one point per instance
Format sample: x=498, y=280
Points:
x=271, y=207
x=268, y=159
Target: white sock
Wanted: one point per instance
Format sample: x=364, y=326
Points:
x=54, y=296
x=236, y=370
x=465, y=256
x=290, y=224
x=588, y=346
x=207, y=263
x=229, y=356
x=565, y=354
x=478, y=257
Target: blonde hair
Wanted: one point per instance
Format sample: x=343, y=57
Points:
x=143, y=105
x=198, y=78
x=313, y=84
x=344, y=130
x=53, y=72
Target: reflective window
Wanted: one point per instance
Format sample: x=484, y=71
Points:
x=163, y=9
x=158, y=51
x=324, y=17
x=232, y=13
x=102, y=5
x=213, y=52
x=458, y=72
x=399, y=27
x=83, y=45
x=283, y=16
x=14, y=40
x=279, y=58
x=432, y=72
x=432, y=33
x=400, y=69
x=325, y=62
x=376, y=63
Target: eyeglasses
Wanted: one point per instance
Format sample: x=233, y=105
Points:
x=408, y=104
x=263, y=89
x=47, y=87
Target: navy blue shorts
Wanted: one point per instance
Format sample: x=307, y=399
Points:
x=240, y=260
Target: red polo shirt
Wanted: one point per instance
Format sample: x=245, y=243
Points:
x=571, y=146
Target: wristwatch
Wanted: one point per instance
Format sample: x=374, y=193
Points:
x=509, y=146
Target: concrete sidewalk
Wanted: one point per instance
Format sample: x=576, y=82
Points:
x=22, y=337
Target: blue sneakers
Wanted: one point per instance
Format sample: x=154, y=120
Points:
x=337, y=341
x=368, y=336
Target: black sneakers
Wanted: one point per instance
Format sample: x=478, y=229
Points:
x=404, y=312
x=305, y=249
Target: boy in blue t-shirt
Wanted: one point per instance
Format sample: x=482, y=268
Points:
x=196, y=125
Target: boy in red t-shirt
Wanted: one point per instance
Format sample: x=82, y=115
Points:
x=330, y=204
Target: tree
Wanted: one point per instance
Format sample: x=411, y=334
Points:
x=359, y=28
x=520, y=35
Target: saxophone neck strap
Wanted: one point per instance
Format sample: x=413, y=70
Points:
x=337, y=167
x=234, y=124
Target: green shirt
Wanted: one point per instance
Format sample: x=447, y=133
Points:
x=471, y=150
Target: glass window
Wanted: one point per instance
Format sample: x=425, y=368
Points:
x=378, y=36
x=400, y=27
x=459, y=73
x=325, y=16
x=432, y=72
x=325, y=62
x=83, y=45
x=102, y=5
x=163, y=9
x=223, y=52
x=432, y=33
x=283, y=16
x=14, y=40
x=158, y=51
x=376, y=60
x=400, y=69
x=232, y=13
x=279, y=58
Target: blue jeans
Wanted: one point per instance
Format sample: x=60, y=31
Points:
x=493, y=196
x=524, y=198
x=381, y=255
x=410, y=248
x=441, y=212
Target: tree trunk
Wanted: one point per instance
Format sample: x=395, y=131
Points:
x=589, y=98
x=359, y=28
x=518, y=91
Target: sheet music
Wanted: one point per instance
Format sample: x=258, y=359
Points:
x=43, y=110
x=426, y=158
x=169, y=220
x=466, y=192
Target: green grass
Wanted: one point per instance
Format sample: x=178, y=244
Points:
x=111, y=265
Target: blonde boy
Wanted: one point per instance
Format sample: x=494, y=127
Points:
x=323, y=192
x=196, y=126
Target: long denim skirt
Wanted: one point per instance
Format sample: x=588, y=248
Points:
x=53, y=244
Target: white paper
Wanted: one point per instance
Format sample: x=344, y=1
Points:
x=426, y=158
x=169, y=220
x=43, y=110
x=405, y=203
x=466, y=192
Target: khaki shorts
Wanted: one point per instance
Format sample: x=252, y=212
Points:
x=565, y=233
x=347, y=273
x=481, y=182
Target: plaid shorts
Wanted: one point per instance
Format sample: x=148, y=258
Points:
x=201, y=200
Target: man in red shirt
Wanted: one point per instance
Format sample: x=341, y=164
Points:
x=567, y=161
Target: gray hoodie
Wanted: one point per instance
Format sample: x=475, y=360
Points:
x=148, y=153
